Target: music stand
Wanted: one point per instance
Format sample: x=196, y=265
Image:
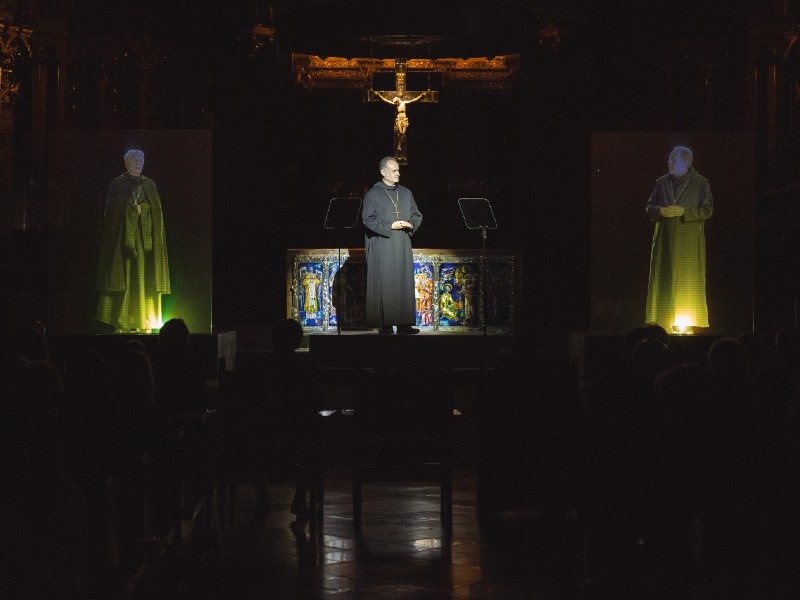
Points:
x=478, y=214
x=342, y=213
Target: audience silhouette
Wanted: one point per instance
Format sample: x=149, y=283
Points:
x=272, y=399
x=43, y=522
x=179, y=379
x=687, y=464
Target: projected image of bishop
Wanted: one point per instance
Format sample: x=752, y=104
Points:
x=133, y=267
x=679, y=206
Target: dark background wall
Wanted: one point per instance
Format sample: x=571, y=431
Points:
x=526, y=151
x=280, y=152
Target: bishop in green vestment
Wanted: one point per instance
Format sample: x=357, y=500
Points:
x=679, y=206
x=133, y=266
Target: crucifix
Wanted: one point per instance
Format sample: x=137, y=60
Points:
x=400, y=97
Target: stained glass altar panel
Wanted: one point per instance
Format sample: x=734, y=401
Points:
x=326, y=288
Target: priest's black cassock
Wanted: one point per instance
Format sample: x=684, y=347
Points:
x=390, y=260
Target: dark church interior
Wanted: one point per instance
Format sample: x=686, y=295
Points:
x=560, y=447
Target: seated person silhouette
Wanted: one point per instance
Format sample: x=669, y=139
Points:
x=278, y=395
x=180, y=384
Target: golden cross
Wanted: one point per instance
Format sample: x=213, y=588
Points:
x=400, y=97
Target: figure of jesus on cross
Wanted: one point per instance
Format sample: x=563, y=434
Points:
x=400, y=97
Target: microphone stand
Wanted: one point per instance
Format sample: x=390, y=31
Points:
x=483, y=278
x=478, y=214
x=343, y=213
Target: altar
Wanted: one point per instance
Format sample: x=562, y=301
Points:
x=326, y=289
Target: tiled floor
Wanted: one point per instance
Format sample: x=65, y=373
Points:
x=399, y=553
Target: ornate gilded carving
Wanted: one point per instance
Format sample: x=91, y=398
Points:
x=14, y=42
x=479, y=73
x=317, y=73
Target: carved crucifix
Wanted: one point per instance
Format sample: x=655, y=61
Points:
x=400, y=97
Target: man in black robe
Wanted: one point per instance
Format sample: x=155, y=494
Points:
x=391, y=218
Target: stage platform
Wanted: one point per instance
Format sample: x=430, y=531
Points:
x=368, y=349
x=589, y=354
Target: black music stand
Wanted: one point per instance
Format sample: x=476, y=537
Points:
x=478, y=214
x=343, y=213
